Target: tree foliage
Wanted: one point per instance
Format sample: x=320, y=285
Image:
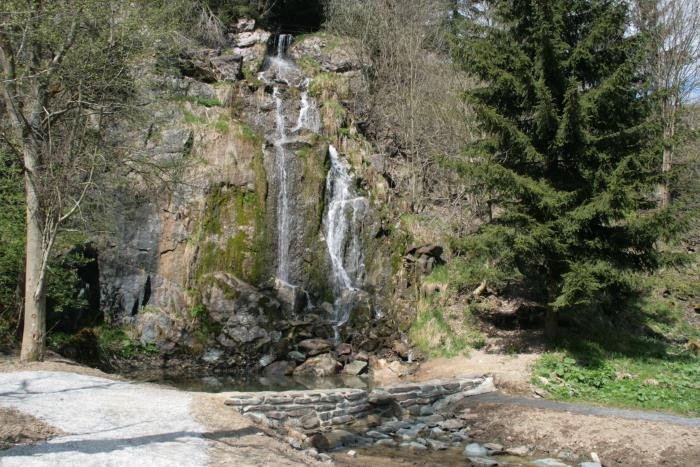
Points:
x=570, y=160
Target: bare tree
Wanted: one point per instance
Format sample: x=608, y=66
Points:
x=63, y=79
x=412, y=91
x=673, y=27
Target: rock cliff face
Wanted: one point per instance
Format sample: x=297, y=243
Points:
x=232, y=264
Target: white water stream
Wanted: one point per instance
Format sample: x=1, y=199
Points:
x=342, y=232
x=345, y=209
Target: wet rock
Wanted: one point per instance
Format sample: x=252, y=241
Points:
x=494, y=448
x=362, y=356
x=314, y=347
x=482, y=462
x=549, y=462
x=437, y=445
x=279, y=368
x=590, y=464
x=385, y=442
x=414, y=446
x=343, y=349
x=520, y=451
x=475, y=449
x=354, y=368
x=377, y=435
x=453, y=424
x=319, y=366
x=338, y=438
x=296, y=356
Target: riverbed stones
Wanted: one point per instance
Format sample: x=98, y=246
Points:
x=549, y=462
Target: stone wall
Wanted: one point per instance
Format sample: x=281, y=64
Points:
x=314, y=410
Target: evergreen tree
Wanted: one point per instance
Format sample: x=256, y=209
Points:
x=571, y=152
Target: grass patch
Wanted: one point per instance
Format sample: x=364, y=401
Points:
x=442, y=332
x=668, y=384
x=193, y=119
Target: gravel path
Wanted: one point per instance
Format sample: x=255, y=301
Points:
x=111, y=422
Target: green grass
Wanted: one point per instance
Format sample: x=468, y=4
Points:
x=440, y=332
x=193, y=119
x=666, y=384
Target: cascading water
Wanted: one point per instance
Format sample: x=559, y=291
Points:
x=345, y=211
x=281, y=72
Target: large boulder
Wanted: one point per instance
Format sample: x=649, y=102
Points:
x=319, y=366
x=314, y=346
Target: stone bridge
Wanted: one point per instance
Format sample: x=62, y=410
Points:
x=311, y=410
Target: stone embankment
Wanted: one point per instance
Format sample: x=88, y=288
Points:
x=314, y=410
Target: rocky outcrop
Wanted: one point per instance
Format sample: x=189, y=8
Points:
x=192, y=269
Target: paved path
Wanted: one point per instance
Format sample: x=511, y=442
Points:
x=585, y=409
x=111, y=422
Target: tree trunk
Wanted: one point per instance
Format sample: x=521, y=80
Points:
x=551, y=323
x=33, y=337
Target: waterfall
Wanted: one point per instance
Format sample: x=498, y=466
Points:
x=280, y=72
x=345, y=211
x=281, y=164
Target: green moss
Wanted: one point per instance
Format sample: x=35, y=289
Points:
x=240, y=215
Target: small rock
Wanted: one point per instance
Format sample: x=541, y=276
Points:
x=590, y=464
x=414, y=446
x=344, y=349
x=453, y=424
x=475, y=449
x=296, y=356
x=437, y=445
x=352, y=453
x=494, y=448
x=520, y=451
x=377, y=434
x=385, y=442
x=549, y=462
x=437, y=432
x=482, y=462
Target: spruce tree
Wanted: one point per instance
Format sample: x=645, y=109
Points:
x=571, y=152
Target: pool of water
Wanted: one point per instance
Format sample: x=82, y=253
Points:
x=229, y=383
